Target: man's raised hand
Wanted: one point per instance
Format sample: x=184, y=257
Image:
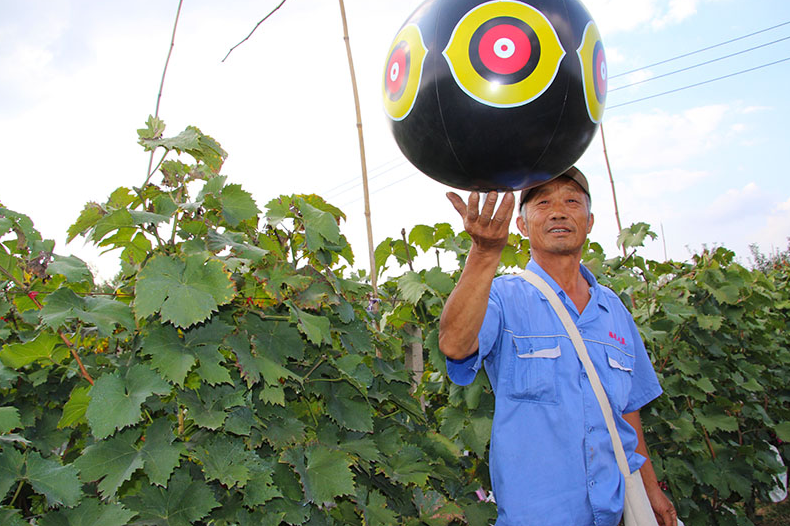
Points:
x=488, y=229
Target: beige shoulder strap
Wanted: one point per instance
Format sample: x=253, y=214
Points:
x=581, y=350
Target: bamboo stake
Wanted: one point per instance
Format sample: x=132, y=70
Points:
x=611, y=181
x=365, y=190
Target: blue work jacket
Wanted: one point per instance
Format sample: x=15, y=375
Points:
x=551, y=458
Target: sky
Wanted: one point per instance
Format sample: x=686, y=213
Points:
x=701, y=165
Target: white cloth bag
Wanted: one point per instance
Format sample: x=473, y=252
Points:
x=637, y=509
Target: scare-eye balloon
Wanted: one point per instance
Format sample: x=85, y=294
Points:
x=495, y=95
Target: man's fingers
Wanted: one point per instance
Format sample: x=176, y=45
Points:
x=505, y=211
x=488, y=206
x=458, y=203
x=474, y=202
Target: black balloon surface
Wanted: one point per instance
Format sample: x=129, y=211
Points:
x=496, y=95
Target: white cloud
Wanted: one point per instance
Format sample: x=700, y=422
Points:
x=738, y=203
x=643, y=141
x=659, y=182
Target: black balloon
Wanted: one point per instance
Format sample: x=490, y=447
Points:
x=495, y=95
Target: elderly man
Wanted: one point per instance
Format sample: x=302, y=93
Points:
x=552, y=461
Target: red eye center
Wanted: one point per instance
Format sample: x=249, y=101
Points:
x=505, y=49
x=396, y=71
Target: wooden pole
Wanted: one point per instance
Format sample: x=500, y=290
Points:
x=365, y=190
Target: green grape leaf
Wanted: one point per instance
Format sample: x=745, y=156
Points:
x=160, y=455
x=169, y=353
x=717, y=421
x=174, y=354
x=349, y=410
x=634, y=236
x=9, y=419
x=75, y=408
x=207, y=407
x=709, y=323
x=12, y=464
x=422, y=236
x=408, y=466
x=375, y=511
x=183, y=292
x=182, y=503
x=63, y=305
x=114, y=461
x=59, y=484
x=276, y=340
x=11, y=517
x=319, y=226
x=439, y=281
x=46, y=348
x=237, y=205
x=261, y=488
x=116, y=399
x=316, y=328
x=226, y=459
x=782, y=431
x=325, y=474
x=154, y=128
x=411, y=287
x=90, y=512
x=71, y=267
x=382, y=253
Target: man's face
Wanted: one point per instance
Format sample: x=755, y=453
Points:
x=558, y=218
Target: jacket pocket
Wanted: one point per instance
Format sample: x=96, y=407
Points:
x=620, y=373
x=533, y=370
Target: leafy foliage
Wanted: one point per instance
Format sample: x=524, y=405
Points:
x=232, y=373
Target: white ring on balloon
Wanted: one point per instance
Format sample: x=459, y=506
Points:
x=394, y=71
x=504, y=48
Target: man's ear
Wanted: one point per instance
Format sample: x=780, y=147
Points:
x=590, y=222
x=522, y=226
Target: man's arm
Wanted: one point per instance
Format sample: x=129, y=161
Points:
x=465, y=309
x=662, y=506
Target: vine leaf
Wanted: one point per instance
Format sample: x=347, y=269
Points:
x=72, y=268
x=116, y=400
x=11, y=517
x=319, y=226
x=46, y=348
x=12, y=463
x=237, y=205
x=9, y=419
x=783, y=431
x=316, y=328
x=182, y=503
x=74, y=409
x=325, y=473
x=227, y=460
x=59, y=484
x=349, y=410
x=422, y=236
x=184, y=292
x=63, y=305
x=207, y=407
x=114, y=461
x=174, y=354
x=412, y=287
x=160, y=454
x=90, y=512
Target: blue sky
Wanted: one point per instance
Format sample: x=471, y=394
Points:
x=77, y=78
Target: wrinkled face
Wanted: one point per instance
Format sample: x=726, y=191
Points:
x=556, y=218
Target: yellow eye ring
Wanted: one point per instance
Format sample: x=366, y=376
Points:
x=403, y=72
x=493, y=85
x=594, y=72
